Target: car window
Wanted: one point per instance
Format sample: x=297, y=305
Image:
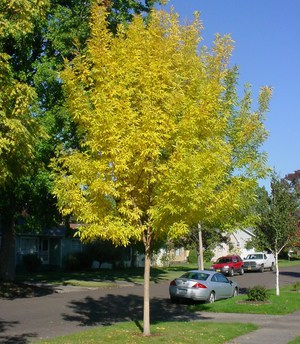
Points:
x=224, y=260
x=202, y=276
x=254, y=256
x=221, y=278
x=214, y=278
x=196, y=275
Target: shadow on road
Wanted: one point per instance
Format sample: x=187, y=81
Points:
x=293, y=274
x=115, y=308
x=18, y=339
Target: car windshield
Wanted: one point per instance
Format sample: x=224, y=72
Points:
x=224, y=260
x=254, y=256
x=201, y=276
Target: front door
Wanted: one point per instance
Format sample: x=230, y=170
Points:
x=44, y=251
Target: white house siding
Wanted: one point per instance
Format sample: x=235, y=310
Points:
x=238, y=241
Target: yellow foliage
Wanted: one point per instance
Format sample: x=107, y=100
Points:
x=166, y=141
x=16, y=16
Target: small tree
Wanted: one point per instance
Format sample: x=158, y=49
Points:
x=160, y=135
x=277, y=226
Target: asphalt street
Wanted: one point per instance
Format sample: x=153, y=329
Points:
x=73, y=309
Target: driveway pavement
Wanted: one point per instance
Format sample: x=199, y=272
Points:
x=72, y=309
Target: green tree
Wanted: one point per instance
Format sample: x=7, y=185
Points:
x=211, y=238
x=19, y=132
x=160, y=135
x=35, y=38
x=278, y=223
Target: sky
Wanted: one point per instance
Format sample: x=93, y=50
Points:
x=267, y=51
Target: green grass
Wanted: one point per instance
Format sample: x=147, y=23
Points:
x=295, y=341
x=162, y=332
x=102, y=278
x=89, y=284
x=287, y=302
x=285, y=262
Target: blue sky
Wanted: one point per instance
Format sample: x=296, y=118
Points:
x=267, y=52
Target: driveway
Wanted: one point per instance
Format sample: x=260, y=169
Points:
x=75, y=309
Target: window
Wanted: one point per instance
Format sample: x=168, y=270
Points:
x=221, y=278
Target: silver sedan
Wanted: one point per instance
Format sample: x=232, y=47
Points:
x=202, y=285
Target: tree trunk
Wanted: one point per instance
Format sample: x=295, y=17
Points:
x=7, y=248
x=146, y=314
x=277, y=274
x=147, y=296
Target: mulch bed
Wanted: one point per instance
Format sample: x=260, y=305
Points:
x=13, y=290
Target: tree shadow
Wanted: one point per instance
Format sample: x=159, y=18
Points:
x=23, y=338
x=110, y=309
x=293, y=274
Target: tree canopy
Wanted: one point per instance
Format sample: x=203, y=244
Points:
x=36, y=36
x=18, y=130
x=278, y=224
x=165, y=141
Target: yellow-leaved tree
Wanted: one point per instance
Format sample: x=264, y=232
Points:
x=165, y=140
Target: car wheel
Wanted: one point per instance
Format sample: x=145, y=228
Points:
x=242, y=271
x=231, y=272
x=235, y=292
x=262, y=268
x=211, y=298
x=272, y=267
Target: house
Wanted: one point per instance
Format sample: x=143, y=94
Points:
x=237, y=244
x=54, y=248
x=50, y=245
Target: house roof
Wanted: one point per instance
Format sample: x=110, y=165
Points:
x=57, y=232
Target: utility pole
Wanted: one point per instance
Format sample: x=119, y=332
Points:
x=200, y=256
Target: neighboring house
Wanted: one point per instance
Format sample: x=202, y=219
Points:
x=237, y=244
x=165, y=257
x=53, y=248
x=50, y=245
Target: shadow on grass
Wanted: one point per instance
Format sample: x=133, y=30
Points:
x=110, y=309
x=129, y=275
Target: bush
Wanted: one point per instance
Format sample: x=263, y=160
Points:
x=258, y=293
x=296, y=286
x=78, y=261
x=32, y=262
x=193, y=258
x=208, y=255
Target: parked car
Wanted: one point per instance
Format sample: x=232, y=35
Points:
x=202, y=285
x=259, y=261
x=229, y=265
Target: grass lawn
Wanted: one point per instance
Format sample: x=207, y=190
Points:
x=287, y=302
x=104, y=278
x=162, y=332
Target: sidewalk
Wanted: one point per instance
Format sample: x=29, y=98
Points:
x=274, y=329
